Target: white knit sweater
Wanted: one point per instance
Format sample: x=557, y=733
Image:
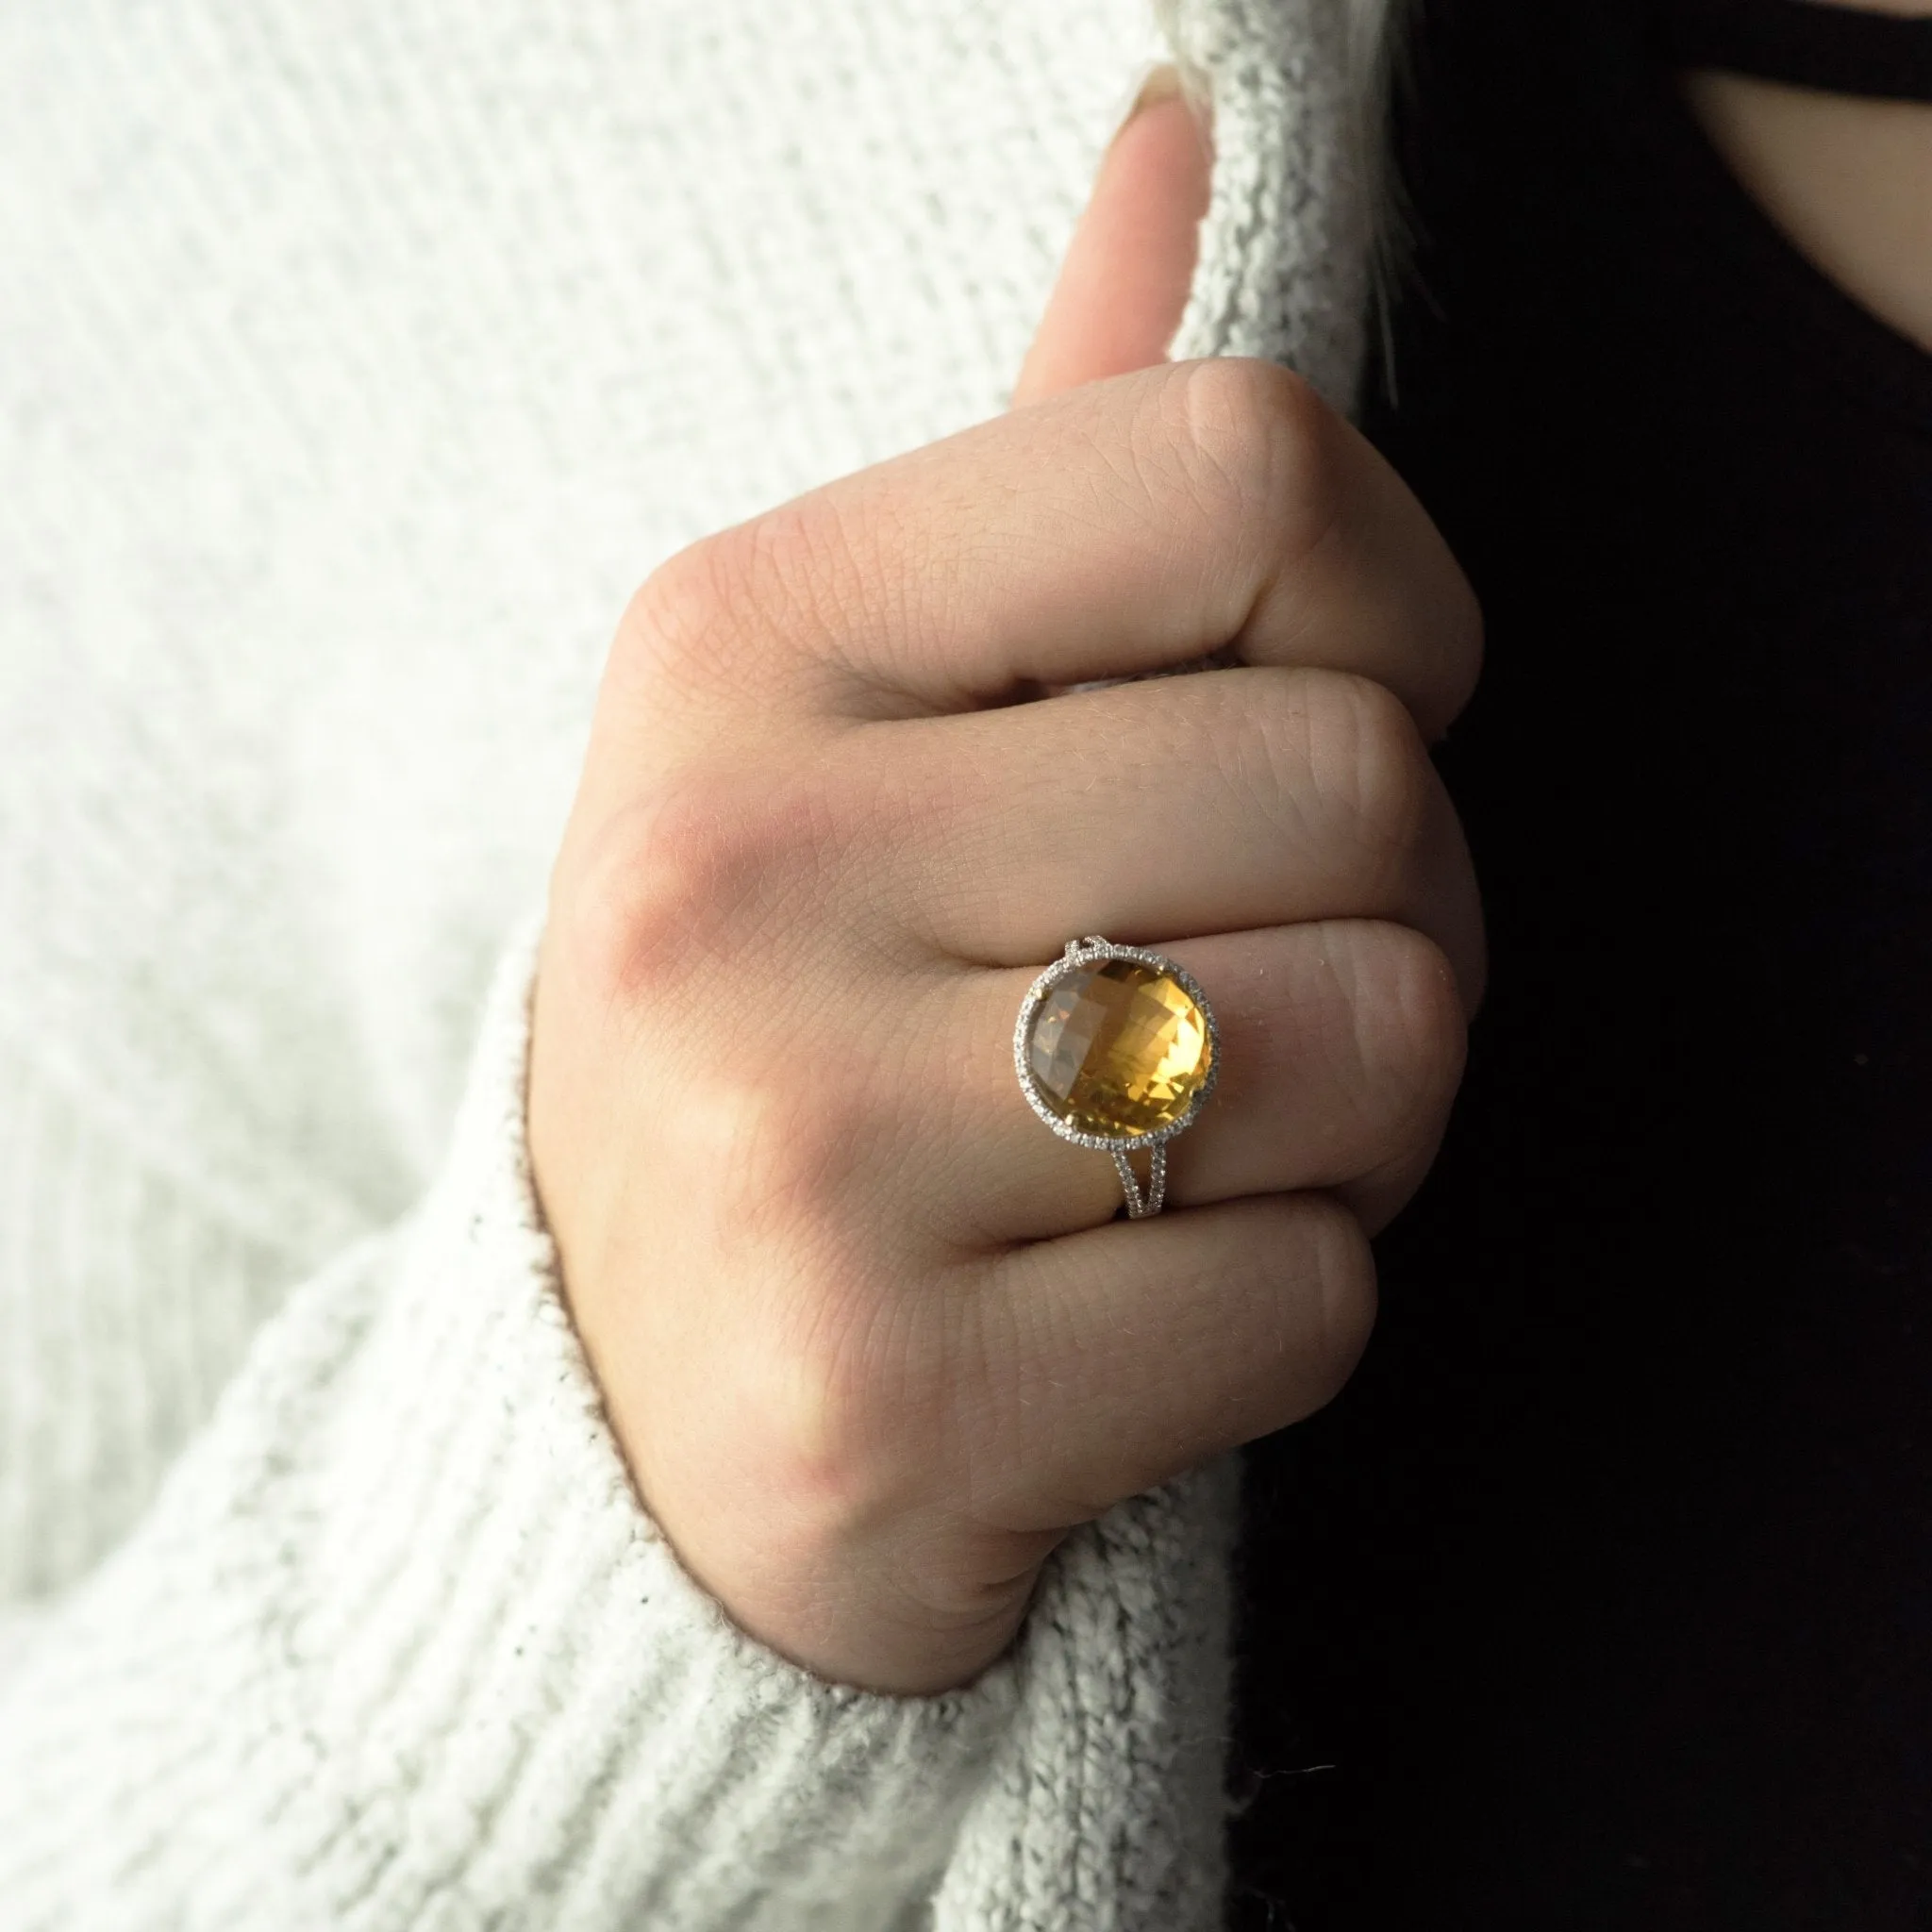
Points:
x=356, y=360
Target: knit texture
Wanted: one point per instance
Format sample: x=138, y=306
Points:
x=1285, y=253
x=355, y=364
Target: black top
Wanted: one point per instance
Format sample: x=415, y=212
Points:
x=1601, y=1600
x=1799, y=42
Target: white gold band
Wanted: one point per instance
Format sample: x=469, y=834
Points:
x=1143, y=1202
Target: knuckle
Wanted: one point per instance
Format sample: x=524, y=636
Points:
x=646, y=891
x=682, y=875
x=1411, y=1033
x=1257, y=441
x=812, y=1423
x=1344, y=1268
x=1369, y=767
x=682, y=623
x=843, y=1366
x=775, y=1171
x=817, y=1147
x=781, y=1149
x=799, y=560
x=722, y=614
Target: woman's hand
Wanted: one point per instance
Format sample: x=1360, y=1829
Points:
x=870, y=1335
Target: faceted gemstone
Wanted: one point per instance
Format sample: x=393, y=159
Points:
x=1119, y=1048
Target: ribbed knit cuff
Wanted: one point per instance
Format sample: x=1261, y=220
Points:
x=1105, y=1807
x=1285, y=246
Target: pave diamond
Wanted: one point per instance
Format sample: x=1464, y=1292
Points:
x=1119, y=1048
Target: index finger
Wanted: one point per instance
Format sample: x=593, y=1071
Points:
x=1126, y=526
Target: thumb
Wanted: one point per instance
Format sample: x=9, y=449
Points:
x=1124, y=281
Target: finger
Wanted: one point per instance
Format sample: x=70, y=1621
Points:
x=1125, y=280
x=1217, y=803
x=1125, y=526
x=1141, y=1349
x=1341, y=1046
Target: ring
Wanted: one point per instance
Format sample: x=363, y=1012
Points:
x=1116, y=1048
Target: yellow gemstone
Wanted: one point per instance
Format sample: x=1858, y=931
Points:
x=1119, y=1048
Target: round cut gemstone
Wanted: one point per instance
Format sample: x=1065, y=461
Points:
x=1119, y=1048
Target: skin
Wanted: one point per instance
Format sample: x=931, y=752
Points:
x=871, y=1338
x=1848, y=180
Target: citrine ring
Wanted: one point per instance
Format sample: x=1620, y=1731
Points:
x=1116, y=1049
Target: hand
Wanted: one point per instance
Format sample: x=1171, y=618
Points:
x=868, y=1334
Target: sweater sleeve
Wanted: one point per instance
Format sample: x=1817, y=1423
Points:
x=395, y=1647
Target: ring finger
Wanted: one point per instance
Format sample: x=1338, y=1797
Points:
x=1341, y=1046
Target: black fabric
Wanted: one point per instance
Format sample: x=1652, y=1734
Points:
x=1602, y=1599
x=1804, y=42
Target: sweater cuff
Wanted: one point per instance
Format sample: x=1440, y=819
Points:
x=512, y=1687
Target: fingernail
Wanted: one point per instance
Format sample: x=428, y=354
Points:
x=1162, y=82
